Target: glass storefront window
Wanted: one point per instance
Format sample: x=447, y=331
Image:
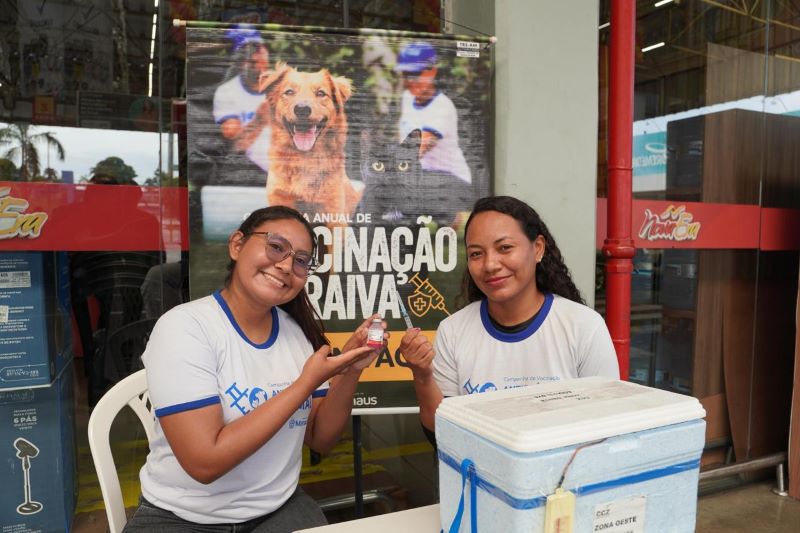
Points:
x=93, y=132
x=715, y=108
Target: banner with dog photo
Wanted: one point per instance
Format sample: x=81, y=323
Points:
x=380, y=139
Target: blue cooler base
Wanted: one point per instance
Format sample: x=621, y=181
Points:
x=638, y=482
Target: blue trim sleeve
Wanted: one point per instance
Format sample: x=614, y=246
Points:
x=227, y=117
x=434, y=131
x=188, y=406
x=319, y=393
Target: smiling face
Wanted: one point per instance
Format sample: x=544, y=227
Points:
x=502, y=262
x=270, y=283
x=307, y=104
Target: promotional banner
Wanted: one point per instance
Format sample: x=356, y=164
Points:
x=381, y=140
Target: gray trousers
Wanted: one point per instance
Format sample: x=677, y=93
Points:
x=299, y=512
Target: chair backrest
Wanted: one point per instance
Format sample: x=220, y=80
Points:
x=131, y=391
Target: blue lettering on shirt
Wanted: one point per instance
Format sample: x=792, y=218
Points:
x=469, y=388
x=234, y=392
x=255, y=396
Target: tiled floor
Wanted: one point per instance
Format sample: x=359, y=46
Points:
x=751, y=508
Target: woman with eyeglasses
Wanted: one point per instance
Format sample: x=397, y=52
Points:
x=239, y=380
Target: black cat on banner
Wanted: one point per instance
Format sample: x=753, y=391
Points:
x=397, y=188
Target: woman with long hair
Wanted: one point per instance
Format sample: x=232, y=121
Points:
x=239, y=380
x=524, y=322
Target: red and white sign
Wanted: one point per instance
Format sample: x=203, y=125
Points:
x=57, y=216
x=697, y=225
x=675, y=223
x=15, y=221
x=86, y=217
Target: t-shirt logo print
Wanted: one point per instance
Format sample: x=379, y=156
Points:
x=469, y=388
x=254, y=397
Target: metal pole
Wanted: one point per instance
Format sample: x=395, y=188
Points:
x=745, y=466
x=358, y=477
x=780, y=490
x=490, y=39
x=618, y=247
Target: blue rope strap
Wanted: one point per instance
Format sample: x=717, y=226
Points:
x=467, y=469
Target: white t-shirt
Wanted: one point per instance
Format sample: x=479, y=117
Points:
x=197, y=356
x=439, y=116
x=566, y=340
x=233, y=100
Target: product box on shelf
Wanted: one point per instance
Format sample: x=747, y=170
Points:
x=628, y=457
x=35, y=332
x=37, y=457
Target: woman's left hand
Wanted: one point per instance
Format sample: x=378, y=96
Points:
x=359, y=338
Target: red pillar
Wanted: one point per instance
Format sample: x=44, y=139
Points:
x=618, y=247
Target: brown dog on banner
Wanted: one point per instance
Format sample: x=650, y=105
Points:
x=309, y=131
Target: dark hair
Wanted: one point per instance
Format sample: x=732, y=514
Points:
x=552, y=275
x=299, y=307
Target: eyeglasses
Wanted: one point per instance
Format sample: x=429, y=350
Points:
x=278, y=249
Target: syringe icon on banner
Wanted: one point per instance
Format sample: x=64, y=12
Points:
x=426, y=297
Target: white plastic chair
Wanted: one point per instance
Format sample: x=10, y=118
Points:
x=131, y=391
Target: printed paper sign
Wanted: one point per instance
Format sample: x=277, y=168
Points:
x=15, y=280
x=540, y=402
x=621, y=516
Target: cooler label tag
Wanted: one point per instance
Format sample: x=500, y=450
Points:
x=559, y=512
x=620, y=516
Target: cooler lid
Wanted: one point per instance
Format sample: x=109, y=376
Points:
x=568, y=412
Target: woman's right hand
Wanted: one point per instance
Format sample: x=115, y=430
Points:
x=322, y=366
x=418, y=352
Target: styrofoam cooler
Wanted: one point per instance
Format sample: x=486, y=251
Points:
x=635, y=456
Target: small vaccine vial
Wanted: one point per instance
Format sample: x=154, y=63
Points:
x=375, y=334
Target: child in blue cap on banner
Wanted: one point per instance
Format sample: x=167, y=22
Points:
x=237, y=99
x=425, y=108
